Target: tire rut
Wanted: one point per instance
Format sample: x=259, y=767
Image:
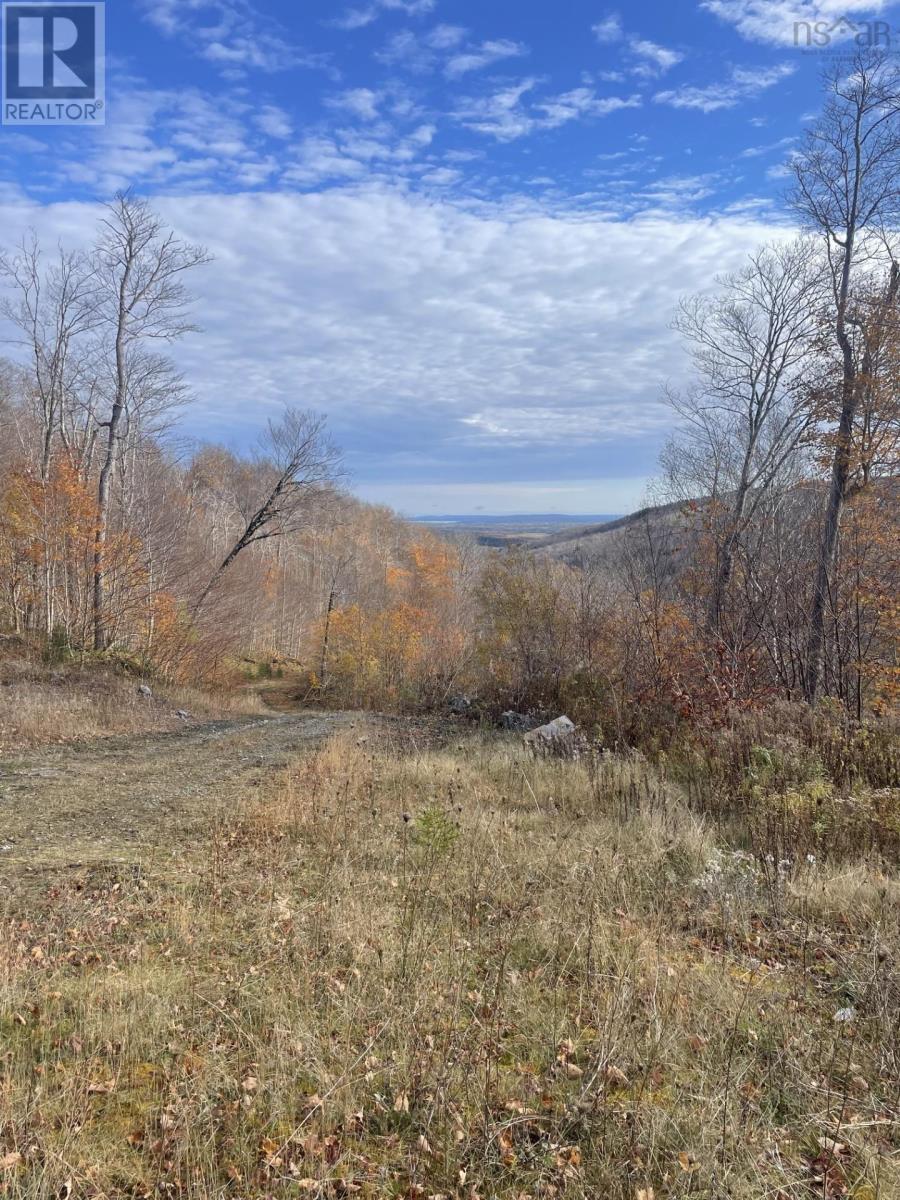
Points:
x=120, y=800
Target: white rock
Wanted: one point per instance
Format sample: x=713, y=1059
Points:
x=555, y=731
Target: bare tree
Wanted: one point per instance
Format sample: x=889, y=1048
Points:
x=11, y=387
x=847, y=189
x=52, y=308
x=296, y=464
x=747, y=414
x=138, y=266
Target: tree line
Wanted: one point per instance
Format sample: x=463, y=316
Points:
x=115, y=537
x=769, y=573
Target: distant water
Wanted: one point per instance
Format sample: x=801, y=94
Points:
x=526, y=519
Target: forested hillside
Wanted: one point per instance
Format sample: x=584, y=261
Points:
x=771, y=569
x=113, y=535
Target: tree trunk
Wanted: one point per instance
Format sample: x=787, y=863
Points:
x=103, y=487
x=837, y=492
x=325, y=635
x=726, y=561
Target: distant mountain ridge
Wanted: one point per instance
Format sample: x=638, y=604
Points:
x=527, y=519
x=569, y=538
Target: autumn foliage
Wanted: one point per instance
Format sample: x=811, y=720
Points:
x=412, y=645
x=217, y=564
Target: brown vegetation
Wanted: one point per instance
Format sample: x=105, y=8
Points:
x=409, y=971
x=44, y=702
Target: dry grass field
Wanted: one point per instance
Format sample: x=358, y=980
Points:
x=390, y=967
x=43, y=704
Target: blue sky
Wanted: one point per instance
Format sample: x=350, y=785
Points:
x=458, y=229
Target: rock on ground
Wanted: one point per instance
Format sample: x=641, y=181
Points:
x=551, y=734
x=517, y=722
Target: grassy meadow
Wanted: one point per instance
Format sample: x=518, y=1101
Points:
x=408, y=967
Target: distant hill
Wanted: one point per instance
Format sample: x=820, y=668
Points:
x=516, y=529
x=666, y=531
x=517, y=519
x=588, y=540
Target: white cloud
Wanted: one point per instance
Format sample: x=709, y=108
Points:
x=783, y=170
x=183, y=140
x=231, y=34
x=359, y=18
x=412, y=8
x=190, y=141
x=275, y=122
x=433, y=331
x=677, y=193
x=774, y=21
x=650, y=58
x=503, y=116
x=609, y=29
x=769, y=148
x=581, y=102
x=356, y=18
x=446, y=37
x=361, y=102
x=656, y=59
x=321, y=159
x=441, y=177
x=744, y=83
x=377, y=152
x=421, y=53
x=525, y=426
x=406, y=49
x=482, y=56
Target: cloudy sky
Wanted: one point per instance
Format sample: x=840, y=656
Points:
x=458, y=229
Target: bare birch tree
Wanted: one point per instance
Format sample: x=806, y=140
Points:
x=139, y=266
x=52, y=308
x=747, y=413
x=297, y=463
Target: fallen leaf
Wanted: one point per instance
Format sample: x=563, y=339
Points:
x=838, y=1149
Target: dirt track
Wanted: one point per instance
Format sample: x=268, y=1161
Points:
x=124, y=799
